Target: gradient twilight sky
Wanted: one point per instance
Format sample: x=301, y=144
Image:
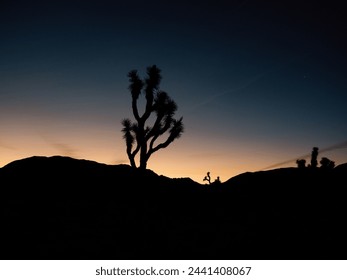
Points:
x=257, y=82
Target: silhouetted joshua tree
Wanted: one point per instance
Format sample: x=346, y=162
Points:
x=301, y=163
x=208, y=178
x=327, y=163
x=314, y=156
x=140, y=137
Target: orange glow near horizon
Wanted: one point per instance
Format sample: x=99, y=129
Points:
x=186, y=157
x=100, y=139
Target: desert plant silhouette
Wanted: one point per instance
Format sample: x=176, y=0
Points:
x=327, y=163
x=138, y=136
x=208, y=178
x=301, y=163
x=338, y=146
x=314, y=156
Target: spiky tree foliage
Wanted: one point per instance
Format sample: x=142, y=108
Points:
x=138, y=136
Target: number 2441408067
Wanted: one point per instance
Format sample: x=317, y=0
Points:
x=219, y=270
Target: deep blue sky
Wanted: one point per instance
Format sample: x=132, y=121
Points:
x=256, y=82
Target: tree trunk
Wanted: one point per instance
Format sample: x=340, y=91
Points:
x=143, y=156
x=143, y=165
x=132, y=162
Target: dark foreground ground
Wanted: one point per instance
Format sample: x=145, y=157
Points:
x=62, y=208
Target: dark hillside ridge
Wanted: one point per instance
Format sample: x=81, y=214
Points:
x=64, y=208
x=82, y=176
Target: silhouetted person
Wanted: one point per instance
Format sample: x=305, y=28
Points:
x=217, y=181
x=314, y=156
x=301, y=163
x=327, y=163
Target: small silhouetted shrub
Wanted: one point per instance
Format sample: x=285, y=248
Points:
x=327, y=163
x=301, y=163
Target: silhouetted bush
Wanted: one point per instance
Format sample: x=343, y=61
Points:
x=327, y=163
x=301, y=163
